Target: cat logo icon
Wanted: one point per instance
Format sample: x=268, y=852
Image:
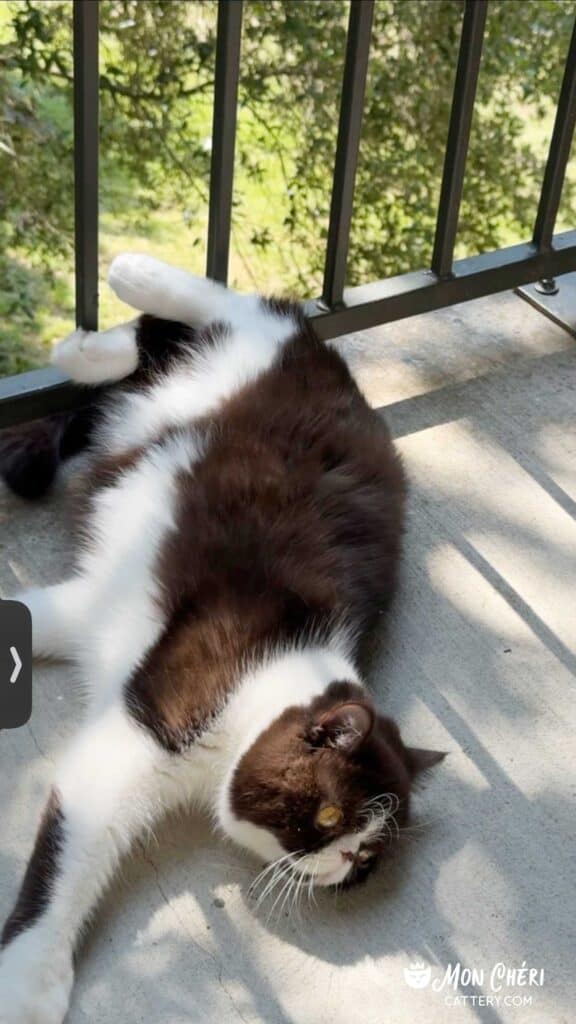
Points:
x=15, y=664
x=417, y=975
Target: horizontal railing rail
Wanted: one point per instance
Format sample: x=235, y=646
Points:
x=338, y=310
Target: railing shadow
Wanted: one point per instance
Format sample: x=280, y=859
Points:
x=487, y=879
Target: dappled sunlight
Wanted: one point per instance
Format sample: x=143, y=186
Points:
x=459, y=352
x=475, y=577
x=138, y=958
x=456, y=580
x=556, y=447
x=472, y=867
x=170, y=918
x=545, y=584
x=476, y=658
x=462, y=461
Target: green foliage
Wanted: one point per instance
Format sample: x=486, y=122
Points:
x=157, y=72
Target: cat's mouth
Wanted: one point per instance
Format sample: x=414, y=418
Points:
x=340, y=866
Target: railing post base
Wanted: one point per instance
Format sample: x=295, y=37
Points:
x=555, y=298
x=547, y=286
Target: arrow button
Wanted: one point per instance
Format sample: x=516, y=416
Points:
x=17, y=665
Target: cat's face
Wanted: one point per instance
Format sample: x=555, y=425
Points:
x=326, y=787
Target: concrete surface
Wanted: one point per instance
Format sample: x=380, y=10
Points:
x=478, y=659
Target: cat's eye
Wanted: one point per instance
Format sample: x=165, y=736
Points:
x=328, y=816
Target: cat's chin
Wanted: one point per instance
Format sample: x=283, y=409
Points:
x=334, y=876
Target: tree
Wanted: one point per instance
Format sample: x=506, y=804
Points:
x=157, y=71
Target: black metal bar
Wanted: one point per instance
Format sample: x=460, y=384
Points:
x=558, y=153
x=421, y=292
x=467, y=72
x=86, y=161
x=348, y=144
x=41, y=392
x=37, y=393
x=228, y=39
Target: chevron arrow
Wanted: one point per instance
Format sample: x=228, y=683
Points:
x=17, y=665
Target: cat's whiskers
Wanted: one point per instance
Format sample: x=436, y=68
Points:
x=312, y=891
x=282, y=871
x=289, y=894
x=271, y=867
x=279, y=875
x=387, y=802
x=417, y=826
x=300, y=888
x=288, y=880
x=382, y=810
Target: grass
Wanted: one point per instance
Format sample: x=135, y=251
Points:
x=38, y=309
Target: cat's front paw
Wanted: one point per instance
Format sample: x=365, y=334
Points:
x=90, y=357
x=78, y=357
x=34, y=992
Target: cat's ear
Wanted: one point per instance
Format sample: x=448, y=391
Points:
x=345, y=727
x=420, y=760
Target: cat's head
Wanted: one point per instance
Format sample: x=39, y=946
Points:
x=328, y=784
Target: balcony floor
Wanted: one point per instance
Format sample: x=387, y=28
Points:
x=478, y=659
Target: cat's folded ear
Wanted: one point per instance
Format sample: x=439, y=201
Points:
x=344, y=727
x=420, y=760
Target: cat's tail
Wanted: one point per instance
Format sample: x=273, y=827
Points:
x=31, y=455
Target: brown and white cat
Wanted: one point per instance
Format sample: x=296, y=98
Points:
x=243, y=520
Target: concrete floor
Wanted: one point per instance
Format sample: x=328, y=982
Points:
x=478, y=659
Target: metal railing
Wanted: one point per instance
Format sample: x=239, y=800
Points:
x=338, y=310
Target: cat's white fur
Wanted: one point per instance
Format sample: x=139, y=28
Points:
x=98, y=357
x=115, y=780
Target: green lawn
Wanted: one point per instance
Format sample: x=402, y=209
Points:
x=36, y=311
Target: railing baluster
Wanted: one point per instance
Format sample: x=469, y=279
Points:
x=347, y=147
x=558, y=153
x=42, y=392
x=228, y=39
x=85, y=21
x=467, y=72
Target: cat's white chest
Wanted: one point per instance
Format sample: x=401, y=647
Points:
x=198, y=385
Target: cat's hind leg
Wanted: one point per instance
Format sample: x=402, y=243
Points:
x=113, y=783
x=98, y=357
x=151, y=286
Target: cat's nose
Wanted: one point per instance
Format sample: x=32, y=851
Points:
x=347, y=855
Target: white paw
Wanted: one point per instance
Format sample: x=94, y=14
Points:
x=142, y=282
x=33, y=991
x=68, y=354
x=89, y=357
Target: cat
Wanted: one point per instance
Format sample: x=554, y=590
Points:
x=243, y=514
